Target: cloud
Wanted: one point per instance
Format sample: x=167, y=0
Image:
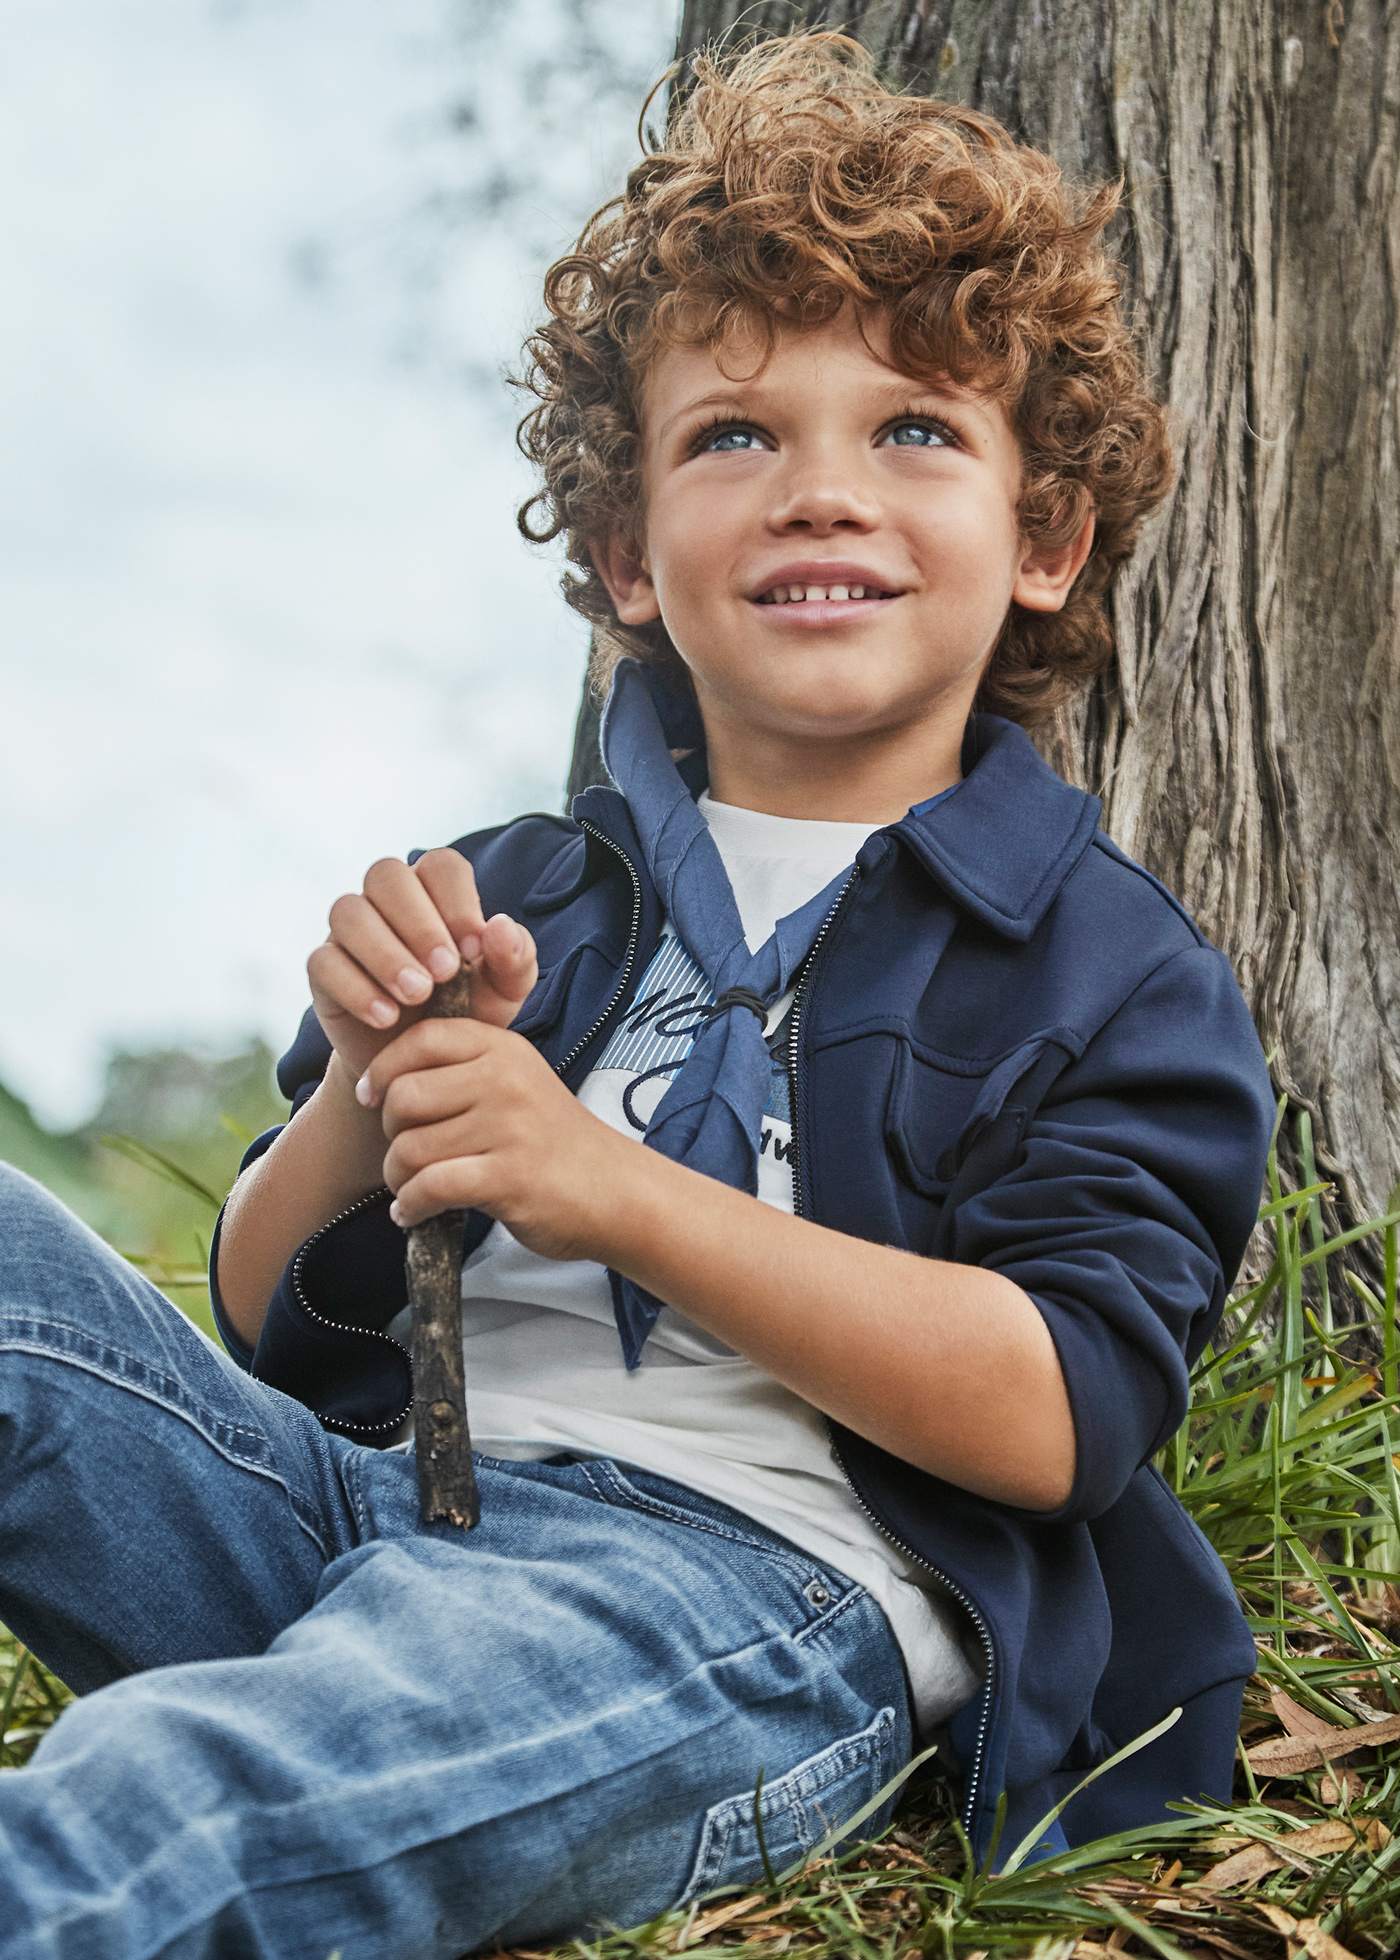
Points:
x=264, y=609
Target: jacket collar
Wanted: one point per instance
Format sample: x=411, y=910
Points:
x=1002, y=845
x=1011, y=833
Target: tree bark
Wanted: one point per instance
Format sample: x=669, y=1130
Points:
x=1246, y=744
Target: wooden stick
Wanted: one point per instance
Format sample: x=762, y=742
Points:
x=446, y=1482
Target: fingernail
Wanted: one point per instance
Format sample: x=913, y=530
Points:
x=470, y=943
x=395, y=1213
x=414, y=982
x=517, y=937
x=443, y=962
x=363, y=1089
x=382, y=1011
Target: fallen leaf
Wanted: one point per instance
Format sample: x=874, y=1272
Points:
x=717, y=1916
x=1245, y=1867
x=1299, y=1848
x=1297, y=1719
x=1304, y=1721
x=1320, y=1944
x=1288, y=1755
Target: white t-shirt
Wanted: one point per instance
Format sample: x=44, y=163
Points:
x=543, y=1359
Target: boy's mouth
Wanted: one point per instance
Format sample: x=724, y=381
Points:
x=821, y=611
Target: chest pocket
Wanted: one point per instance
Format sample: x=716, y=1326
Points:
x=956, y=1126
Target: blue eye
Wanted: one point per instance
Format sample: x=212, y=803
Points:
x=706, y=439
x=924, y=422
x=716, y=429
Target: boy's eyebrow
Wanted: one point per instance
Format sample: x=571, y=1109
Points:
x=899, y=388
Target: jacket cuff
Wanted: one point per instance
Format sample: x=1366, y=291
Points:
x=1115, y=1422
x=322, y=1339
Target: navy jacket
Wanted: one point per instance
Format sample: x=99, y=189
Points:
x=1013, y=1048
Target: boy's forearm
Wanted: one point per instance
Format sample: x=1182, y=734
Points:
x=950, y=1367
x=331, y=1154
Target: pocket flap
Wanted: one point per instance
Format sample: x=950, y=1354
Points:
x=938, y=1110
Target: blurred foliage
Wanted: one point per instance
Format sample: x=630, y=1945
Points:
x=528, y=122
x=149, y=1170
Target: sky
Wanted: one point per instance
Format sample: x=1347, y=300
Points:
x=265, y=613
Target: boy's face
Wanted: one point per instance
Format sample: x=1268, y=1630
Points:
x=813, y=706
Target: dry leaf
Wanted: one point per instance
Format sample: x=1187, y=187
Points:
x=1321, y=1945
x=1298, y=1848
x=1288, y=1755
x=1352, y=1786
x=1303, y=1935
x=1245, y=1867
x=1297, y=1719
x=707, y=1922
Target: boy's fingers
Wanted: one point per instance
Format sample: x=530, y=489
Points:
x=403, y=905
x=449, y=881
x=359, y=929
x=510, y=952
x=505, y=973
x=341, y=985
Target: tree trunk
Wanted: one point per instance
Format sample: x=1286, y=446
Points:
x=1247, y=743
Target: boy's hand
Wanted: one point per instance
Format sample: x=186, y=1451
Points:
x=389, y=945
x=477, y=1119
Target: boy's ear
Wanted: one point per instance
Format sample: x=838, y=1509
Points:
x=629, y=584
x=1045, y=577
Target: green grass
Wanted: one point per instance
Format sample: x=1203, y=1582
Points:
x=1289, y=1461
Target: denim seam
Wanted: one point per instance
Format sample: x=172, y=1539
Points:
x=870, y=1745
x=641, y=1500
x=101, y=1355
x=350, y=1478
x=148, y=1384
x=872, y=1749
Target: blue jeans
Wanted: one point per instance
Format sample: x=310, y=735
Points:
x=308, y=1722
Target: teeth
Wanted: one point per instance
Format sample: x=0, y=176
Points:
x=794, y=594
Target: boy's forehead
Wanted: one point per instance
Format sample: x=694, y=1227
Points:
x=681, y=376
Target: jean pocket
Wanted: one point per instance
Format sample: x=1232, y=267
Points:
x=797, y=1811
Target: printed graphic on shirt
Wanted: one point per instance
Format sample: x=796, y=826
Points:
x=649, y=1044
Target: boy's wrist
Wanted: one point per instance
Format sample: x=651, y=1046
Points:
x=363, y=1128
x=632, y=1194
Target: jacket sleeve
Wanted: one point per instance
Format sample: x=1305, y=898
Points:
x=1129, y=1209
x=298, y=1073
x=361, y=1276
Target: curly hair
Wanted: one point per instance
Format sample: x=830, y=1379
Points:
x=791, y=184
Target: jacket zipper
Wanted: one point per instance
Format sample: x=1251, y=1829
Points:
x=632, y=938
x=560, y=1068
x=800, y=1209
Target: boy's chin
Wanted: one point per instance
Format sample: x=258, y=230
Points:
x=838, y=708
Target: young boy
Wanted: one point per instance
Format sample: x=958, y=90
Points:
x=856, y=1147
